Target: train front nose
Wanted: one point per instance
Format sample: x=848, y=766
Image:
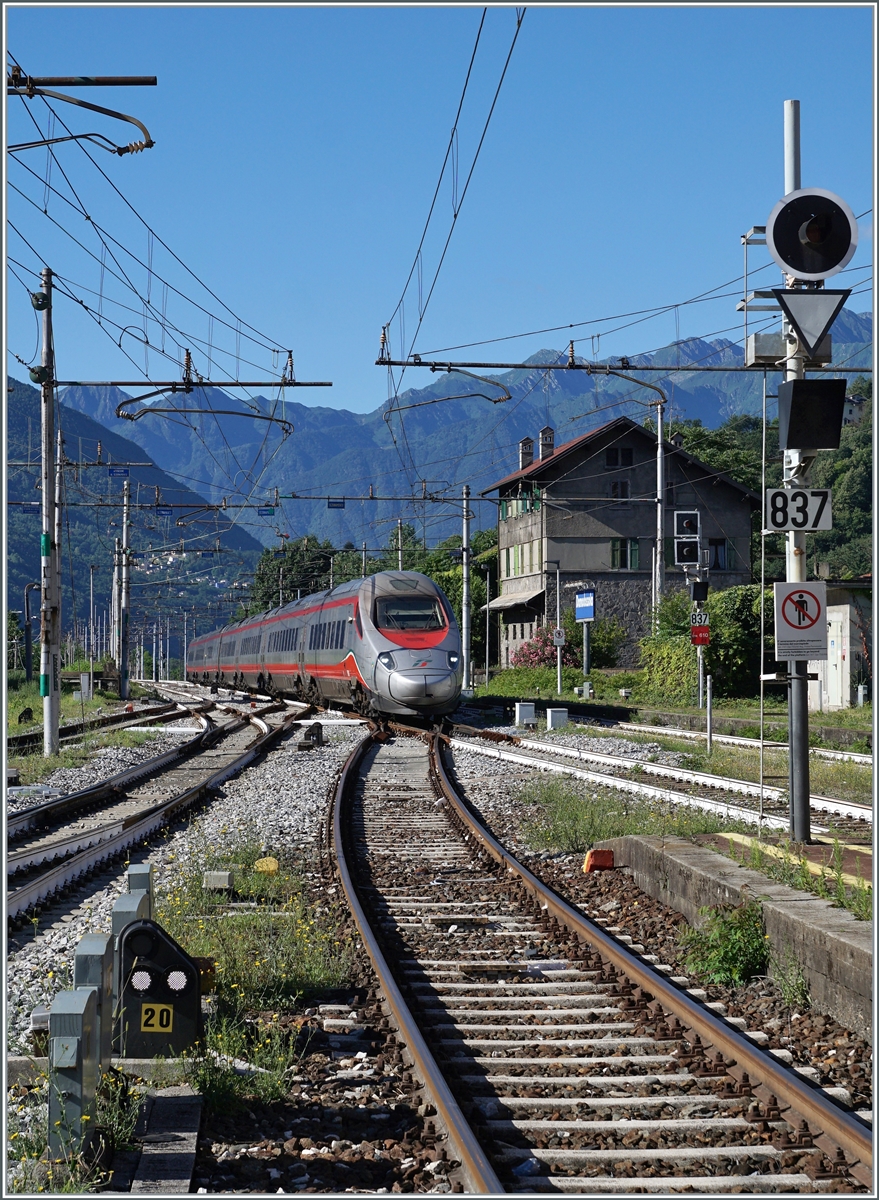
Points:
x=422, y=680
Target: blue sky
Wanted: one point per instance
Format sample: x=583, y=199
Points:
x=298, y=148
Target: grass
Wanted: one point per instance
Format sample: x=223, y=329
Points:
x=29, y=1169
x=791, y=869
x=573, y=817
x=267, y=958
x=33, y=768
x=839, y=779
x=730, y=946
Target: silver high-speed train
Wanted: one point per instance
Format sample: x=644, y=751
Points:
x=385, y=644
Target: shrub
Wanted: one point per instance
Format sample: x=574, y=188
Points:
x=540, y=652
x=730, y=946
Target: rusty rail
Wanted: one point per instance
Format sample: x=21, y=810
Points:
x=479, y=1175
x=839, y=1127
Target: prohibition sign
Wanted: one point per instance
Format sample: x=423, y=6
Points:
x=801, y=609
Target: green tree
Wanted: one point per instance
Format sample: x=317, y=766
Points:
x=848, y=546
x=305, y=564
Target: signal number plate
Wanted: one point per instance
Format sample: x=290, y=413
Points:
x=156, y=1018
x=798, y=508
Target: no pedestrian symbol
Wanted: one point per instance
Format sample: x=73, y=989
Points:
x=801, y=621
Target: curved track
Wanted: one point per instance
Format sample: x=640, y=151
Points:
x=559, y=1058
x=55, y=843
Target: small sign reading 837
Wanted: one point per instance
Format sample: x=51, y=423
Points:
x=805, y=509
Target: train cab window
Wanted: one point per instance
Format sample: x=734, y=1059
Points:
x=415, y=613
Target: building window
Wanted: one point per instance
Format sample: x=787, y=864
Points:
x=507, y=563
x=720, y=554
x=618, y=456
x=503, y=510
x=625, y=456
x=619, y=490
x=625, y=554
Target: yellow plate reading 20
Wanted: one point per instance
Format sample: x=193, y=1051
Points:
x=156, y=1018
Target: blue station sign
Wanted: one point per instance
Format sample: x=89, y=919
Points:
x=584, y=606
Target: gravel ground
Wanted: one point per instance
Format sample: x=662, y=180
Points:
x=621, y=747
x=842, y=1058
x=282, y=798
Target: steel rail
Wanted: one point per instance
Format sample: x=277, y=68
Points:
x=628, y=785
x=167, y=712
x=749, y=743
x=70, y=803
x=807, y=1099
x=32, y=893
x=702, y=778
x=479, y=1174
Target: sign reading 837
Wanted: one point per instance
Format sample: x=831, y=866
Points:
x=804, y=509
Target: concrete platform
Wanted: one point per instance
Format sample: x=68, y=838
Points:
x=834, y=949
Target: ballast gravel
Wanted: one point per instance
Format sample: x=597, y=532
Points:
x=281, y=800
x=841, y=1057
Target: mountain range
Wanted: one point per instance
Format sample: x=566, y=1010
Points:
x=430, y=446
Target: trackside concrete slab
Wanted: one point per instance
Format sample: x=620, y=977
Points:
x=834, y=950
x=167, y=1159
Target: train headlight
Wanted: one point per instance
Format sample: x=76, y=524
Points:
x=387, y=661
x=453, y=660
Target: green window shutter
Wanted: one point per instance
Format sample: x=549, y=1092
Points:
x=615, y=553
x=503, y=510
x=634, y=554
x=730, y=554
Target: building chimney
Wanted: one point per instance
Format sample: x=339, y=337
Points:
x=526, y=453
x=547, y=441
x=678, y=440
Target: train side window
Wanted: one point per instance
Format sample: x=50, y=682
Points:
x=358, y=624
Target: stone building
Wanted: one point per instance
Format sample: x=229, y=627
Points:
x=590, y=507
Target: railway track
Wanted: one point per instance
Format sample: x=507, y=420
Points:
x=558, y=1058
x=750, y=743
x=53, y=844
x=26, y=743
x=700, y=788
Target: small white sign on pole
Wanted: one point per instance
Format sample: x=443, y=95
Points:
x=558, y=637
x=801, y=621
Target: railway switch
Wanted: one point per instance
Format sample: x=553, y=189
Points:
x=93, y=968
x=73, y=1072
x=159, y=1009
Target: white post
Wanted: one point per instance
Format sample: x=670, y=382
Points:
x=363, y=561
x=50, y=614
x=558, y=625
x=709, y=710
x=487, y=620
x=125, y=604
x=659, y=558
x=465, y=596
x=399, y=543
x=699, y=650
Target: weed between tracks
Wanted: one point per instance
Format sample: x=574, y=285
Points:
x=33, y=768
x=270, y=947
x=792, y=869
x=574, y=817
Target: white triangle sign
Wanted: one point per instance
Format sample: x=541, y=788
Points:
x=811, y=313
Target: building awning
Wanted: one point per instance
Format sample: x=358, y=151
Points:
x=515, y=600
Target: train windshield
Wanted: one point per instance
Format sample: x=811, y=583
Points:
x=412, y=613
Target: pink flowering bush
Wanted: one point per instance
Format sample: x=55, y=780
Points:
x=540, y=652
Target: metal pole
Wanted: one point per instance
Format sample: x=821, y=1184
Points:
x=660, y=505
x=465, y=596
x=50, y=679
x=709, y=709
x=125, y=596
x=28, y=634
x=586, y=650
x=400, y=548
x=155, y=662
x=487, y=620
x=796, y=470
x=281, y=588
x=185, y=643
x=363, y=561
x=699, y=655
x=92, y=569
x=558, y=625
